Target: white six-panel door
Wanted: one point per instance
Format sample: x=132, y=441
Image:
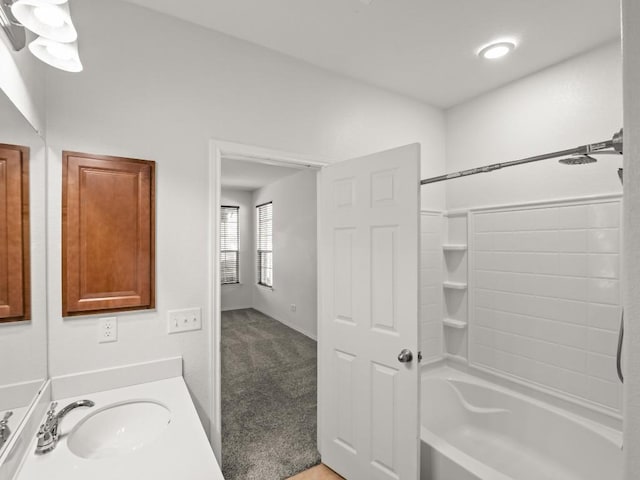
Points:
x=369, y=240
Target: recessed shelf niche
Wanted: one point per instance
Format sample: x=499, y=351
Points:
x=453, y=323
x=454, y=286
x=451, y=247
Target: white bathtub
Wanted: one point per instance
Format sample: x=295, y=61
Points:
x=475, y=430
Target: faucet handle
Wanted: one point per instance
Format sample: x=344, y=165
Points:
x=52, y=409
x=51, y=416
x=4, y=427
x=5, y=431
x=5, y=419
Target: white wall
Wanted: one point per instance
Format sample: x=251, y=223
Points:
x=631, y=36
x=158, y=88
x=22, y=80
x=237, y=296
x=23, y=345
x=294, y=252
x=576, y=102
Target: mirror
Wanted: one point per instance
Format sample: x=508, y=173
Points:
x=23, y=343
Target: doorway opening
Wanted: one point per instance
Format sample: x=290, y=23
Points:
x=367, y=305
x=265, y=318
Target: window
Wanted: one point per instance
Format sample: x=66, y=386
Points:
x=229, y=245
x=265, y=244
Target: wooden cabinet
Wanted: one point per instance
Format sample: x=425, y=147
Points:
x=15, y=295
x=108, y=234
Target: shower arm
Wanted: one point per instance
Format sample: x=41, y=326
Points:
x=604, y=147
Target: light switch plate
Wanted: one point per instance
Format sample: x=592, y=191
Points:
x=184, y=320
x=108, y=331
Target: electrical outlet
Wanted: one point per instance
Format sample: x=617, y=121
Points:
x=184, y=320
x=293, y=307
x=108, y=330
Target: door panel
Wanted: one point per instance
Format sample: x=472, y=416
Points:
x=343, y=274
x=383, y=279
x=369, y=236
x=345, y=400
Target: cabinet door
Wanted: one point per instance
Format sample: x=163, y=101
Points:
x=14, y=233
x=108, y=223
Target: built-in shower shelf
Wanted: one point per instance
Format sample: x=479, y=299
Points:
x=454, y=247
x=454, y=285
x=453, y=323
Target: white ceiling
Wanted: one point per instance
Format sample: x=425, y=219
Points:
x=245, y=175
x=425, y=49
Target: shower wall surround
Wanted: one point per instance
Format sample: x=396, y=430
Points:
x=431, y=285
x=545, y=298
x=553, y=329
x=455, y=286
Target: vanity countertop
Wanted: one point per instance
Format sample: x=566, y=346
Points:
x=182, y=451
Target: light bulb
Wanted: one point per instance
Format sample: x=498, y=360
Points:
x=59, y=55
x=60, y=51
x=46, y=18
x=50, y=15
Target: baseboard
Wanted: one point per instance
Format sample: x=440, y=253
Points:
x=297, y=328
x=81, y=383
x=230, y=309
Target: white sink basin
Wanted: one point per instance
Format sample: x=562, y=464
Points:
x=119, y=429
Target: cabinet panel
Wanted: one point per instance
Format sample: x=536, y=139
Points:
x=14, y=233
x=108, y=225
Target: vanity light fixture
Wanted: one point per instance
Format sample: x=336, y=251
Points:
x=15, y=32
x=56, y=44
x=57, y=54
x=496, y=50
x=46, y=18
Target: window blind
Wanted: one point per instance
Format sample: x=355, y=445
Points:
x=265, y=244
x=229, y=245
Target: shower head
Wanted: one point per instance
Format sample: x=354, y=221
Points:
x=579, y=160
x=617, y=142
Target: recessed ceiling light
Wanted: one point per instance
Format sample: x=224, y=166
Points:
x=496, y=50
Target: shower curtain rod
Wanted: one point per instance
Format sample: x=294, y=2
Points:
x=615, y=143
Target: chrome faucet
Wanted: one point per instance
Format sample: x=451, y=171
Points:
x=5, y=431
x=50, y=430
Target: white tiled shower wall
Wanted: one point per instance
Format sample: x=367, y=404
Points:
x=545, y=298
x=431, y=285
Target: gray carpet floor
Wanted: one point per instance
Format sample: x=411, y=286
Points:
x=269, y=398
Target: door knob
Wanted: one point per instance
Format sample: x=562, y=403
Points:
x=405, y=356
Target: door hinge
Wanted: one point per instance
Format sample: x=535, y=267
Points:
x=419, y=356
